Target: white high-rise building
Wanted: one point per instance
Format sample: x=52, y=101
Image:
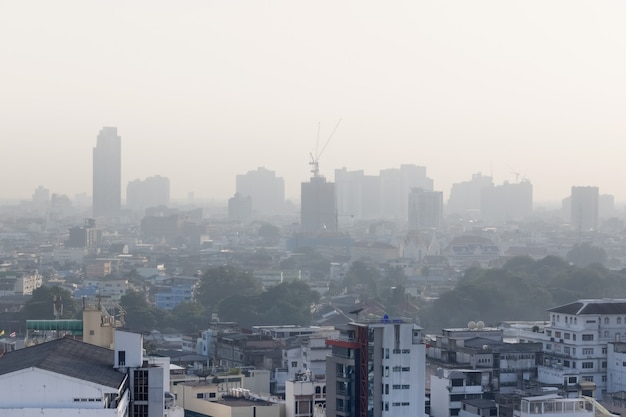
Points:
x=377, y=368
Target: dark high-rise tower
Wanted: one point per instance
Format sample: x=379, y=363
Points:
x=318, y=208
x=107, y=173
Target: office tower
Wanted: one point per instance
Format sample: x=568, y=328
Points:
x=266, y=190
x=349, y=186
x=240, y=208
x=425, y=209
x=318, y=206
x=584, y=205
x=606, y=206
x=507, y=202
x=152, y=192
x=377, y=368
x=107, y=173
x=396, y=183
x=465, y=197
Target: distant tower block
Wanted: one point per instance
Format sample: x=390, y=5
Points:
x=107, y=173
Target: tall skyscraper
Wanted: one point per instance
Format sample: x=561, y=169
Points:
x=107, y=173
x=465, y=197
x=318, y=206
x=377, y=368
x=266, y=190
x=507, y=202
x=584, y=205
x=152, y=192
x=425, y=209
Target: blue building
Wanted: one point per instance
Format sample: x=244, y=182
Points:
x=169, y=297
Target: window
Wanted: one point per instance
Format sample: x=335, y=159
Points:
x=557, y=334
x=548, y=346
x=121, y=358
x=604, y=350
x=200, y=395
x=396, y=333
x=386, y=389
x=587, y=351
x=603, y=378
x=606, y=333
x=587, y=337
x=406, y=369
x=606, y=320
x=294, y=364
x=566, y=336
x=548, y=332
x=619, y=320
x=456, y=382
x=386, y=371
x=91, y=332
x=140, y=385
x=587, y=365
x=387, y=355
x=574, y=336
x=588, y=378
x=603, y=364
x=213, y=395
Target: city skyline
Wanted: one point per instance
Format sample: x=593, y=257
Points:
x=521, y=90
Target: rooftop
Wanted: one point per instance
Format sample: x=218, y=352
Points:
x=594, y=306
x=68, y=357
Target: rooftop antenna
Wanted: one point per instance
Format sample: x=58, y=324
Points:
x=315, y=159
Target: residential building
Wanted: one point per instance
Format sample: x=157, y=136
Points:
x=511, y=366
x=151, y=192
x=396, y=184
x=62, y=377
x=107, y=173
x=265, y=189
x=19, y=282
x=304, y=395
x=576, y=342
x=507, y=202
x=240, y=208
x=318, y=208
x=169, y=297
x=584, y=204
x=465, y=197
x=377, y=368
x=87, y=236
x=425, y=209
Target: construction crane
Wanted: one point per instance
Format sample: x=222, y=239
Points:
x=315, y=159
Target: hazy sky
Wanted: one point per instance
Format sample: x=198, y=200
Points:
x=203, y=90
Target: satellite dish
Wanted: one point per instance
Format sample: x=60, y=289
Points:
x=480, y=325
x=471, y=324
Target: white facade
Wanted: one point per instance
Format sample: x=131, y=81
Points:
x=576, y=340
x=304, y=397
x=402, y=358
x=37, y=389
x=449, y=387
x=554, y=406
x=616, y=367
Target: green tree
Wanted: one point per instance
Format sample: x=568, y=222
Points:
x=40, y=305
x=585, y=254
x=188, y=317
x=140, y=315
x=223, y=282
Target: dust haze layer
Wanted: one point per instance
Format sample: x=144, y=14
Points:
x=203, y=91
